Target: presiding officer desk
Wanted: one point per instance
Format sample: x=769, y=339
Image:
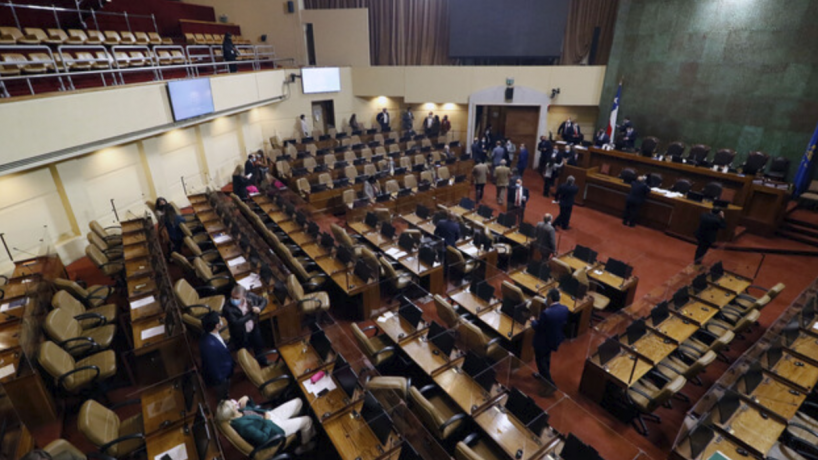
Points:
x=757, y=207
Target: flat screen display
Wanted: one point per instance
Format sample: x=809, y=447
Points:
x=321, y=80
x=190, y=98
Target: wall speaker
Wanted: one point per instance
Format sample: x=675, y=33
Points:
x=291, y=7
x=510, y=93
x=264, y=37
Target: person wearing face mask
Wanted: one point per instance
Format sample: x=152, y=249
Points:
x=242, y=317
x=517, y=199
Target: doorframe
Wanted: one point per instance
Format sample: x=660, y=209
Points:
x=496, y=95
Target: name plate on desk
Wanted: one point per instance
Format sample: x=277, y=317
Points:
x=324, y=383
x=142, y=302
x=153, y=332
x=5, y=371
x=237, y=261
x=386, y=317
x=177, y=453
x=14, y=304
x=222, y=239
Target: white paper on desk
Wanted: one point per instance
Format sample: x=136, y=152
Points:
x=5, y=371
x=153, y=332
x=14, y=304
x=160, y=407
x=250, y=281
x=815, y=326
x=142, y=302
x=325, y=383
x=386, y=317
x=237, y=261
x=222, y=239
x=177, y=453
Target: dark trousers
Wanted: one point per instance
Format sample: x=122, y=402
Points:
x=250, y=339
x=631, y=213
x=233, y=67
x=478, y=192
x=564, y=219
x=543, y=359
x=701, y=250
x=549, y=182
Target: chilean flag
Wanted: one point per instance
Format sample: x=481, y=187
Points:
x=614, y=113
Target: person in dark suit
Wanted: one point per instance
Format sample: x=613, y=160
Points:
x=522, y=160
x=517, y=199
x=637, y=196
x=546, y=238
x=477, y=152
x=479, y=175
x=548, y=333
x=407, y=120
x=448, y=229
x=240, y=182
x=601, y=138
x=230, y=52
x=570, y=131
x=709, y=225
x=554, y=161
x=545, y=148
x=629, y=138
x=383, y=119
x=565, y=197
x=217, y=364
x=570, y=155
x=242, y=313
x=251, y=169
x=625, y=125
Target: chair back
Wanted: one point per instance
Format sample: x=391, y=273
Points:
x=559, y=268
x=303, y=185
x=294, y=288
x=192, y=247
x=427, y=412
x=454, y=257
x=724, y=157
x=698, y=153
x=649, y=145
x=185, y=293
x=410, y=181
x=756, y=161
x=325, y=179
x=60, y=325
x=202, y=269
x=472, y=338
x=97, y=228
x=349, y=197
x=712, y=190
x=654, y=180
x=62, y=299
x=182, y=261
x=463, y=452
x=369, y=169
x=628, y=175
x=446, y=312
x=512, y=291
x=99, y=424
x=309, y=164
x=249, y=364
x=676, y=149
x=392, y=186
x=350, y=172
x=427, y=176
x=682, y=186
x=57, y=362
x=94, y=239
x=443, y=173
x=366, y=345
x=341, y=235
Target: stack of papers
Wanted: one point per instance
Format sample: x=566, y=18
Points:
x=177, y=453
x=237, y=261
x=153, y=332
x=386, y=317
x=222, y=239
x=326, y=383
x=5, y=371
x=142, y=302
x=250, y=281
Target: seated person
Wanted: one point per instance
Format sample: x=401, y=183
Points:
x=257, y=425
x=242, y=317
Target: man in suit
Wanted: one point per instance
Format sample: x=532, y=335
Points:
x=546, y=238
x=230, y=52
x=517, y=199
x=479, y=175
x=625, y=125
x=548, y=333
x=709, y=225
x=477, y=152
x=629, y=138
x=522, y=161
x=570, y=131
x=383, y=119
x=217, y=364
x=601, y=138
x=501, y=177
x=497, y=155
x=565, y=197
x=407, y=120
x=638, y=194
x=448, y=229
x=250, y=168
x=241, y=313
x=545, y=148
x=428, y=124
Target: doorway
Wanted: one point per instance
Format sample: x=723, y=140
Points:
x=515, y=122
x=323, y=115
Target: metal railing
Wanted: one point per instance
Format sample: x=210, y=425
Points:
x=79, y=12
x=86, y=60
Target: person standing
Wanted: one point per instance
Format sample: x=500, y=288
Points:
x=477, y=151
x=629, y=138
x=546, y=237
x=497, y=155
x=517, y=199
x=445, y=125
x=436, y=126
x=709, y=225
x=240, y=182
x=230, y=52
x=511, y=149
x=383, y=119
x=353, y=123
x=428, y=123
x=570, y=131
x=242, y=313
x=479, y=175
x=173, y=224
x=545, y=148
x=251, y=169
x=217, y=363
x=633, y=203
x=522, y=162
x=305, y=127
x=548, y=333
x=448, y=230
x=407, y=121
x=601, y=138
x=501, y=177
x=554, y=162
x=565, y=197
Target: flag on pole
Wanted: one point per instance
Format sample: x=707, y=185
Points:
x=804, y=175
x=614, y=113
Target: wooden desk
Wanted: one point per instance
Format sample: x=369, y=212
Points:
x=806, y=345
x=142, y=346
x=10, y=335
x=165, y=440
x=145, y=311
x=716, y=295
x=431, y=277
x=138, y=268
x=530, y=282
x=678, y=329
x=651, y=346
x=352, y=437
x=10, y=357
x=733, y=282
x=804, y=376
x=464, y=390
x=617, y=371
x=301, y=358
x=163, y=405
x=488, y=257
x=426, y=355
x=140, y=287
x=699, y=312
x=748, y=424
x=398, y=328
x=330, y=403
x=724, y=445
x=776, y=396
x=581, y=310
x=472, y=303
x=136, y=251
x=621, y=291
x=133, y=238
x=135, y=225
x=512, y=435
x=331, y=265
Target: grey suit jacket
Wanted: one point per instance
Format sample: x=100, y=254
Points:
x=546, y=238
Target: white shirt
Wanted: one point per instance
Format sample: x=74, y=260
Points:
x=519, y=199
x=305, y=128
x=218, y=336
x=430, y=121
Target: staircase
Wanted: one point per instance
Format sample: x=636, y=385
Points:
x=800, y=230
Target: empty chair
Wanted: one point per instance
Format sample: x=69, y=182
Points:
x=210, y=256
x=61, y=327
x=473, y=447
x=205, y=274
x=141, y=38
x=155, y=38
x=628, y=175
x=724, y=157
x=309, y=303
x=458, y=263
x=646, y=398
x=95, y=37
x=351, y=172
x=126, y=38
x=271, y=380
x=329, y=160
x=698, y=154
x=744, y=301
x=513, y=292
x=377, y=348
x=109, y=267
x=654, y=180
x=475, y=340
x=112, y=235
x=303, y=186
x=406, y=162
x=325, y=179
x=369, y=169
x=111, y=38
x=755, y=163
x=447, y=313
x=681, y=186
x=398, y=280
x=309, y=164
x=92, y=296
x=675, y=150
x=427, y=176
x=677, y=364
x=283, y=168
x=88, y=317
x=714, y=340
x=392, y=186
x=112, y=435
x=76, y=376
x=649, y=146
x=592, y=288
x=194, y=304
x=60, y=449
x=399, y=385
x=56, y=37
x=13, y=63
x=10, y=35
x=349, y=198
x=738, y=325
x=76, y=37
x=778, y=169
x=443, y=173
x=712, y=190
x=559, y=269
x=410, y=182
x=33, y=36
x=436, y=410
x=349, y=156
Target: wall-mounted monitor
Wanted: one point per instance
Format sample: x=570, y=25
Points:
x=190, y=98
x=320, y=80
